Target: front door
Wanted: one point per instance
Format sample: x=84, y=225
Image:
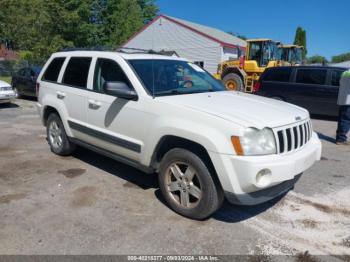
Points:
x=115, y=122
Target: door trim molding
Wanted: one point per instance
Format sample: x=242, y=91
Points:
x=105, y=137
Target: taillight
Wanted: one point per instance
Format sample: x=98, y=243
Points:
x=37, y=87
x=257, y=87
x=241, y=61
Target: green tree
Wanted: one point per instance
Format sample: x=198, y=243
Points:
x=41, y=27
x=300, y=39
x=317, y=59
x=341, y=58
x=243, y=37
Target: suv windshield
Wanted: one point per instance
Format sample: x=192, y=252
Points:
x=172, y=77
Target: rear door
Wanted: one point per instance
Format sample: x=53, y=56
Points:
x=275, y=83
x=330, y=93
x=19, y=83
x=308, y=88
x=73, y=91
x=29, y=82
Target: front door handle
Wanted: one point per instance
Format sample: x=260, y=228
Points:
x=93, y=104
x=60, y=95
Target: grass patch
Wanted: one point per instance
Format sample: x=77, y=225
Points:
x=6, y=79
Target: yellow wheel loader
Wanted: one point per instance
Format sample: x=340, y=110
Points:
x=242, y=74
x=292, y=54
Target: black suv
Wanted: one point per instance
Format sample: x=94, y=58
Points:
x=24, y=81
x=312, y=87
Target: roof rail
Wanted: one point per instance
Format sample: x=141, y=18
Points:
x=136, y=50
x=96, y=48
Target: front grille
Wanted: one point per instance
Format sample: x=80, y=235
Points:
x=293, y=137
x=5, y=88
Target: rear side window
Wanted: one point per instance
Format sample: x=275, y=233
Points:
x=311, y=76
x=336, y=74
x=53, y=70
x=278, y=75
x=77, y=72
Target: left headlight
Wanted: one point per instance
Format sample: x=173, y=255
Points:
x=255, y=142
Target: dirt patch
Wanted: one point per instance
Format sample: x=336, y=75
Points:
x=72, y=172
x=309, y=223
x=324, y=208
x=6, y=199
x=329, y=159
x=84, y=197
x=346, y=242
x=305, y=257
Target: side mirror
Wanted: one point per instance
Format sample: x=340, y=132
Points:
x=120, y=90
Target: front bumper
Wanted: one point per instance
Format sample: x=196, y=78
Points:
x=6, y=97
x=239, y=174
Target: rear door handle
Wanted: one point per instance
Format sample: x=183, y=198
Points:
x=60, y=95
x=94, y=104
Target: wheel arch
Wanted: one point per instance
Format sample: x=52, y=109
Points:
x=169, y=142
x=235, y=70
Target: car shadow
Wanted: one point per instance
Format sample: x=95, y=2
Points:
x=8, y=105
x=228, y=213
x=326, y=138
x=28, y=98
x=132, y=175
x=231, y=213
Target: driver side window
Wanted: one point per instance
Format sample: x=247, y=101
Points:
x=108, y=71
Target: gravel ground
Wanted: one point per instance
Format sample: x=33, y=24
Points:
x=89, y=204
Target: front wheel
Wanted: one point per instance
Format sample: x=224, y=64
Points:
x=57, y=137
x=187, y=185
x=233, y=82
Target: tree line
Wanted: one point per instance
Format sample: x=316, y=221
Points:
x=40, y=27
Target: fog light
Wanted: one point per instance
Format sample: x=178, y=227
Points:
x=263, y=178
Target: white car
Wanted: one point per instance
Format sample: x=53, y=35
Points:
x=6, y=92
x=205, y=143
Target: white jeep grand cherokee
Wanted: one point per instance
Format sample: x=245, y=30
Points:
x=166, y=115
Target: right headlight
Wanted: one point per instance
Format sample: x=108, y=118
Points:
x=255, y=142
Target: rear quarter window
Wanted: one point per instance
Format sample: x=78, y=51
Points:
x=311, y=76
x=77, y=72
x=278, y=75
x=335, y=77
x=53, y=70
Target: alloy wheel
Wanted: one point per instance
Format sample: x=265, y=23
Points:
x=183, y=184
x=55, y=134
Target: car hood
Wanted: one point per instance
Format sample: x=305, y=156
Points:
x=241, y=108
x=4, y=84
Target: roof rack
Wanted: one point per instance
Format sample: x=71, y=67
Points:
x=136, y=50
x=96, y=48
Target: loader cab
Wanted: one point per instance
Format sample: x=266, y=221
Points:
x=262, y=51
x=292, y=54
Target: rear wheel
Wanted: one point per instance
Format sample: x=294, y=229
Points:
x=57, y=137
x=187, y=185
x=15, y=90
x=233, y=81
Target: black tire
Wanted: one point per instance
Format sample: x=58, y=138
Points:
x=234, y=79
x=211, y=192
x=66, y=147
